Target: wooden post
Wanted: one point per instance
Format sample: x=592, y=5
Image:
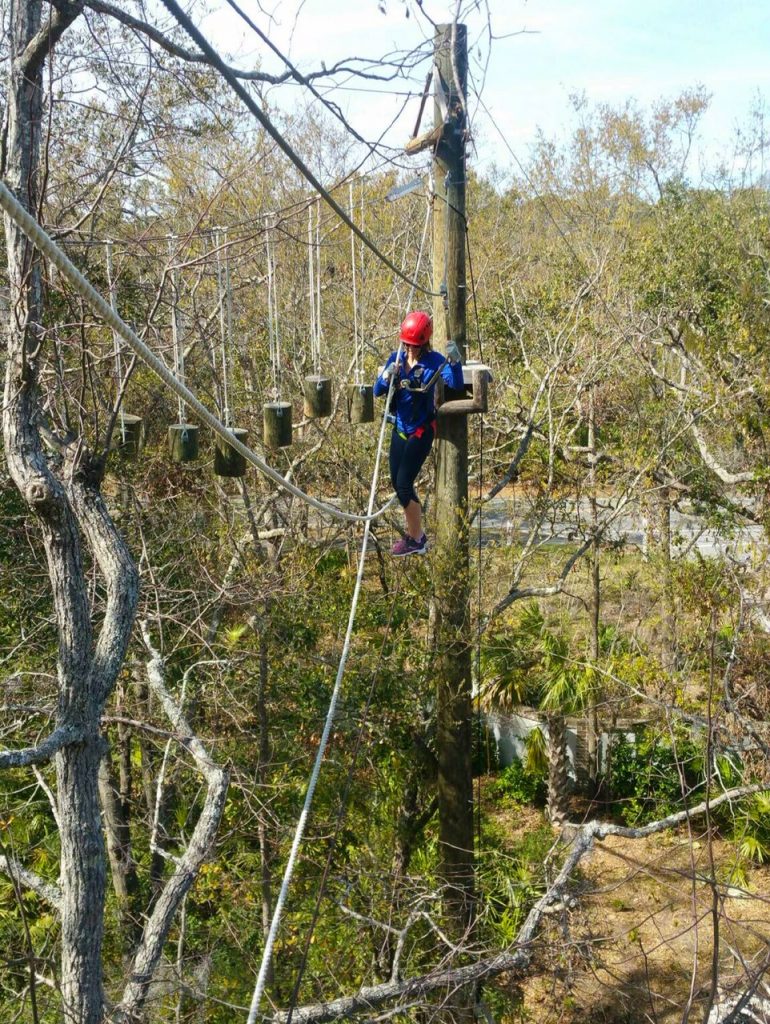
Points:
x=451, y=602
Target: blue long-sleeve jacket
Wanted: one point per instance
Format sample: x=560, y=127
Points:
x=415, y=408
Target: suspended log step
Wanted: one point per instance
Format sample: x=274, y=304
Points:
x=360, y=403
x=130, y=435
x=228, y=461
x=183, y=442
x=318, y=397
x=276, y=418
x=476, y=378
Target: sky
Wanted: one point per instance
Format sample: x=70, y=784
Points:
x=544, y=52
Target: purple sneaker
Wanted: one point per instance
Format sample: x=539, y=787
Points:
x=409, y=546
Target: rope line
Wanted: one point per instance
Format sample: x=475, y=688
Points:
x=271, y=340
x=35, y=233
x=356, y=341
x=178, y=350
x=311, y=286
x=217, y=62
x=223, y=295
x=115, y=336
x=319, y=328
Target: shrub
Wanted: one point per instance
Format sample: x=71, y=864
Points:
x=522, y=785
x=653, y=776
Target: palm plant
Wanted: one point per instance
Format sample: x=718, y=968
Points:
x=531, y=663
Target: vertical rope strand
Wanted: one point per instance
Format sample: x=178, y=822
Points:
x=357, y=365
x=319, y=328
x=222, y=328
x=276, y=323
x=178, y=351
x=362, y=265
x=115, y=336
x=270, y=330
x=228, y=356
x=311, y=284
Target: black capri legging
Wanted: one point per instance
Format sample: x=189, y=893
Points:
x=406, y=458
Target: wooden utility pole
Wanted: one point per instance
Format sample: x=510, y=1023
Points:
x=451, y=602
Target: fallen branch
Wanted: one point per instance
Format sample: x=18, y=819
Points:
x=518, y=957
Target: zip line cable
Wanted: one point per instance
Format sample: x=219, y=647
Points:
x=299, y=77
x=35, y=233
x=173, y=7
x=267, y=952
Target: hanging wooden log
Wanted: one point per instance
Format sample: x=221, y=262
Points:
x=227, y=461
x=129, y=430
x=360, y=403
x=183, y=442
x=276, y=418
x=318, y=397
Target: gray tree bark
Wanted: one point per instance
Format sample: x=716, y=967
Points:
x=70, y=512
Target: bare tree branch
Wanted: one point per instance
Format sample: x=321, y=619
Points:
x=49, y=892
x=65, y=12
x=731, y=479
x=43, y=751
x=150, y=949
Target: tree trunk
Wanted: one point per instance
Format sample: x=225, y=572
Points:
x=558, y=771
x=64, y=507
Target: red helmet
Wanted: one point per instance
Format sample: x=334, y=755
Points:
x=417, y=329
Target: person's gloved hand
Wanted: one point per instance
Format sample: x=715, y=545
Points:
x=389, y=371
x=453, y=352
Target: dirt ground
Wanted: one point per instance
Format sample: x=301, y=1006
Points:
x=637, y=945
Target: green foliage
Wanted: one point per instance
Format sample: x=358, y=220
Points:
x=511, y=876
x=522, y=783
x=655, y=775
x=752, y=828
x=529, y=662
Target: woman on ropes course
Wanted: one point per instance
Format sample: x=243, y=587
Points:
x=416, y=372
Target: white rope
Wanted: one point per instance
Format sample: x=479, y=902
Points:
x=49, y=248
x=267, y=953
x=178, y=351
x=223, y=280
x=270, y=327
x=319, y=328
x=419, y=255
x=276, y=324
x=356, y=362
x=361, y=263
x=115, y=337
x=311, y=286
